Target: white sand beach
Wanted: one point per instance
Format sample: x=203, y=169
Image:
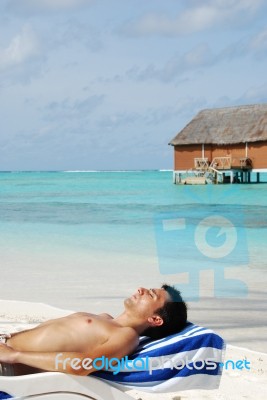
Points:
x=235, y=384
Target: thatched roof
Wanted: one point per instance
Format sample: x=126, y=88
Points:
x=225, y=126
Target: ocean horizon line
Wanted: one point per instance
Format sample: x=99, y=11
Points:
x=85, y=171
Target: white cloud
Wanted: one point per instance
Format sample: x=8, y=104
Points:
x=32, y=6
x=73, y=110
x=258, y=43
x=255, y=46
x=21, y=48
x=200, y=56
x=256, y=94
x=196, y=18
x=55, y=4
x=74, y=31
x=252, y=95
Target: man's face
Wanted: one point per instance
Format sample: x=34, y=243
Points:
x=146, y=301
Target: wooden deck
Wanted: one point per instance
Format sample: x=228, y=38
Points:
x=219, y=170
x=194, y=180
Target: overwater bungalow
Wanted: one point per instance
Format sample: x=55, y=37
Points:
x=223, y=145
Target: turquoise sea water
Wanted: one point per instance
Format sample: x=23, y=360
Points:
x=114, y=209
x=48, y=215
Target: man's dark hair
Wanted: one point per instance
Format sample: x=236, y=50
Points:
x=173, y=313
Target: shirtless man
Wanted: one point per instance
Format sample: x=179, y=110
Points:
x=151, y=312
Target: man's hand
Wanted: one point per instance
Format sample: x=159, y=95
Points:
x=7, y=354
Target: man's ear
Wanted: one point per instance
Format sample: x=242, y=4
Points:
x=155, y=320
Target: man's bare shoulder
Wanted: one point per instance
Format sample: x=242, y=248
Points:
x=120, y=342
x=126, y=336
x=106, y=316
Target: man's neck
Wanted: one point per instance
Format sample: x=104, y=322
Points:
x=127, y=320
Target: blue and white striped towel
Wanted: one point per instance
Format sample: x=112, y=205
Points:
x=188, y=360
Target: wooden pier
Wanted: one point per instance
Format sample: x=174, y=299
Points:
x=220, y=170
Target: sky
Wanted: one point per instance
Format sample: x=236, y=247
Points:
x=106, y=84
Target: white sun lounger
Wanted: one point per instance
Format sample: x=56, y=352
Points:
x=58, y=386
x=183, y=369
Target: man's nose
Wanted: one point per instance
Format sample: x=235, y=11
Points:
x=141, y=290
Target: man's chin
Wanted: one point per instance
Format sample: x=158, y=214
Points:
x=128, y=302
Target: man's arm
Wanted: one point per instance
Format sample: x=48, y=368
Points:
x=77, y=363
x=48, y=361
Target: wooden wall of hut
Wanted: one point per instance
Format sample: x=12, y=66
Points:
x=184, y=155
x=257, y=152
